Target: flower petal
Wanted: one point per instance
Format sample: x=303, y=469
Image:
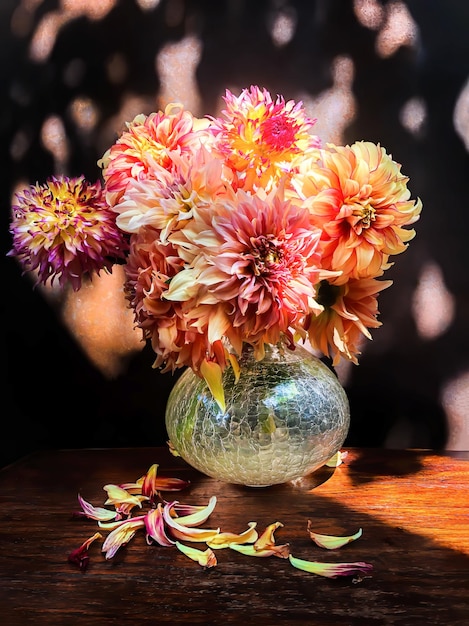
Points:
x=337, y=459
x=154, y=524
x=212, y=374
x=200, y=516
x=121, y=535
x=267, y=538
x=186, y=533
x=80, y=556
x=95, y=512
x=331, y=542
x=226, y=540
x=205, y=558
x=117, y=496
x=281, y=551
x=331, y=570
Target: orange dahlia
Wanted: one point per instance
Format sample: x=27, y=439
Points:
x=350, y=309
x=360, y=200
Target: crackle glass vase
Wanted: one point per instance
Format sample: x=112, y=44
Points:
x=286, y=416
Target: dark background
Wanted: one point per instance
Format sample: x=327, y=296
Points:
x=52, y=395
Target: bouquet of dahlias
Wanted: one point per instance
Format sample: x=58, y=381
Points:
x=236, y=230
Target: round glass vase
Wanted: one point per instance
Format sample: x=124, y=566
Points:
x=285, y=417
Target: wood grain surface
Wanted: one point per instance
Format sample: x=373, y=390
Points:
x=413, y=507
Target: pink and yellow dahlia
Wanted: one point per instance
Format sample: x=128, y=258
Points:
x=148, y=142
x=259, y=138
x=260, y=258
x=64, y=230
x=169, y=199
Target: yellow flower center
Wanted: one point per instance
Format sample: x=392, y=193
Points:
x=363, y=214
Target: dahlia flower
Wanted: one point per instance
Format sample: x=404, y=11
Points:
x=234, y=230
x=259, y=138
x=65, y=230
x=359, y=199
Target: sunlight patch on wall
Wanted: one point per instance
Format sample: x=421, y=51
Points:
x=148, y=5
x=54, y=139
x=281, y=24
x=455, y=402
x=100, y=320
x=176, y=65
x=45, y=35
x=369, y=13
x=84, y=113
x=433, y=306
x=461, y=115
x=413, y=115
x=393, y=21
x=334, y=108
x=399, y=30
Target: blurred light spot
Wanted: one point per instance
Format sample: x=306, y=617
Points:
x=54, y=139
x=117, y=69
x=432, y=304
x=19, y=145
x=48, y=28
x=413, y=115
x=74, y=72
x=45, y=35
x=399, y=30
x=461, y=115
x=455, y=402
x=84, y=113
x=148, y=5
x=92, y=9
x=176, y=64
x=369, y=13
x=282, y=25
x=100, y=320
x=334, y=108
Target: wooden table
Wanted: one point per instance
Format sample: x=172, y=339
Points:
x=413, y=507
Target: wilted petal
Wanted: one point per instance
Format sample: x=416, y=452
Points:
x=331, y=570
x=205, y=558
x=281, y=551
x=331, y=542
x=186, y=533
x=172, y=449
x=153, y=483
x=337, y=459
x=266, y=540
x=95, y=512
x=126, y=507
x=118, y=496
x=154, y=523
x=200, y=516
x=225, y=540
x=80, y=556
x=121, y=535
